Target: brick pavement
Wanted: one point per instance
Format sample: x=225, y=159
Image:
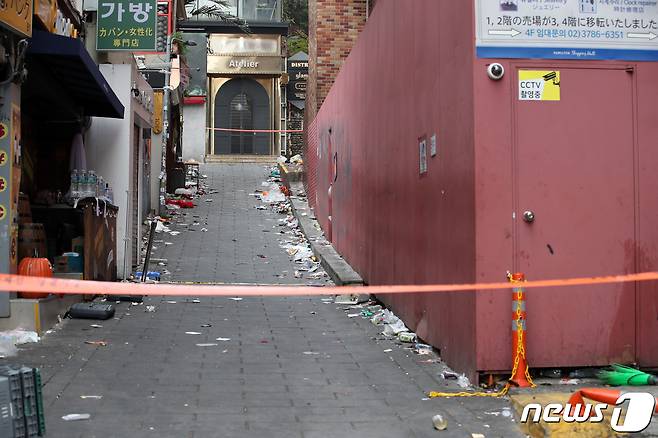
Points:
x=293, y=367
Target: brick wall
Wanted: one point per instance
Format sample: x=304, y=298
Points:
x=334, y=26
x=295, y=121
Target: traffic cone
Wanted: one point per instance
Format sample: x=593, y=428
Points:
x=608, y=396
x=519, y=359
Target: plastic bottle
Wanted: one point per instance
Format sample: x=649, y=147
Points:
x=100, y=187
x=109, y=195
x=83, y=184
x=92, y=182
x=75, y=184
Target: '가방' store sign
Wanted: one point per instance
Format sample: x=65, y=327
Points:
x=567, y=29
x=126, y=25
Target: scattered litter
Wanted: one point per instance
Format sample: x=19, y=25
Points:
x=440, y=422
x=477, y=435
x=311, y=353
x=10, y=339
x=449, y=375
x=569, y=381
x=206, y=325
x=195, y=301
x=150, y=309
x=423, y=349
x=95, y=397
x=223, y=339
x=353, y=315
x=96, y=326
x=407, y=337
x=192, y=333
x=208, y=200
x=207, y=345
x=236, y=298
x=394, y=328
x=205, y=230
x=99, y=343
x=388, y=350
x=171, y=302
x=463, y=381
x=184, y=192
x=76, y=417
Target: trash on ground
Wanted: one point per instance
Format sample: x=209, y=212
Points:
x=192, y=333
x=235, y=298
x=10, y=339
x=207, y=345
x=440, y=422
x=223, y=339
x=96, y=326
x=463, y=381
x=353, y=315
x=407, y=337
x=394, y=328
x=98, y=343
x=311, y=353
x=449, y=375
x=388, y=350
x=95, y=397
x=570, y=381
x=423, y=349
x=206, y=325
x=150, y=309
x=76, y=417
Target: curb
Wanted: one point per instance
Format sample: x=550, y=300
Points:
x=338, y=269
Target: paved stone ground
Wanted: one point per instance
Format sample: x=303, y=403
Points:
x=293, y=367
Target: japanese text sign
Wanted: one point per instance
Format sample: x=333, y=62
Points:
x=17, y=16
x=567, y=29
x=126, y=25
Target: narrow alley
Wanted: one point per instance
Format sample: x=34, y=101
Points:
x=221, y=367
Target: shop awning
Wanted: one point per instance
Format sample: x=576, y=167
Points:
x=68, y=61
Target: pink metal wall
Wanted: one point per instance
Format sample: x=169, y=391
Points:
x=409, y=75
x=413, y=73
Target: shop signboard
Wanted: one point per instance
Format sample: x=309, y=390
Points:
x=298, y=74
x=16, y=15
x=567, y=29
x=128, y=25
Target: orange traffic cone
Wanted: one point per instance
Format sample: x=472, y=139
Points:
x=520, y=376
x=608, y=396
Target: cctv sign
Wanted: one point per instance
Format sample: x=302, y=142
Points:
x=639, y=412
x=539, y=85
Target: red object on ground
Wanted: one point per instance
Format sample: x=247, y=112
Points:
x=181, y=203
x=35, y=267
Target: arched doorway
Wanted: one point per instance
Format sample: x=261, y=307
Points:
x=242, y=103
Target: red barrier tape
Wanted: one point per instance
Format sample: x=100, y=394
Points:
x=255, y=130
x=54, y=285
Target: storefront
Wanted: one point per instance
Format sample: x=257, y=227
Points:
x=244, y=110
x=60, y=214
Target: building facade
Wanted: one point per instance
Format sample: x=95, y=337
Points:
x=243, y=109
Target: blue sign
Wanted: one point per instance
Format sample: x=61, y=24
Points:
x=567, y=29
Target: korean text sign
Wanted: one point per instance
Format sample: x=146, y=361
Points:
x=126, y=25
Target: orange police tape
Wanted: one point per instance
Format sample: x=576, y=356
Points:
x=17, y=283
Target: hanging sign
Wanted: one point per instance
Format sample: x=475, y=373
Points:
x=16, y=15
x=539, y=85
x=567, y=29
x=126, y=25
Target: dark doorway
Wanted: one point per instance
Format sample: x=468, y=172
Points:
x=242, y=104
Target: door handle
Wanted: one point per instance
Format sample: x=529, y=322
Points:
x=529, y=216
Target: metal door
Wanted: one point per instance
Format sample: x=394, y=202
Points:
x=243, y=106
x=574, y=176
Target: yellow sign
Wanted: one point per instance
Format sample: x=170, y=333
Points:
x=3, y=157
x=17, y=16
x=3, y=212
x=3, y=184
x=157, y=112
x=539, y=85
